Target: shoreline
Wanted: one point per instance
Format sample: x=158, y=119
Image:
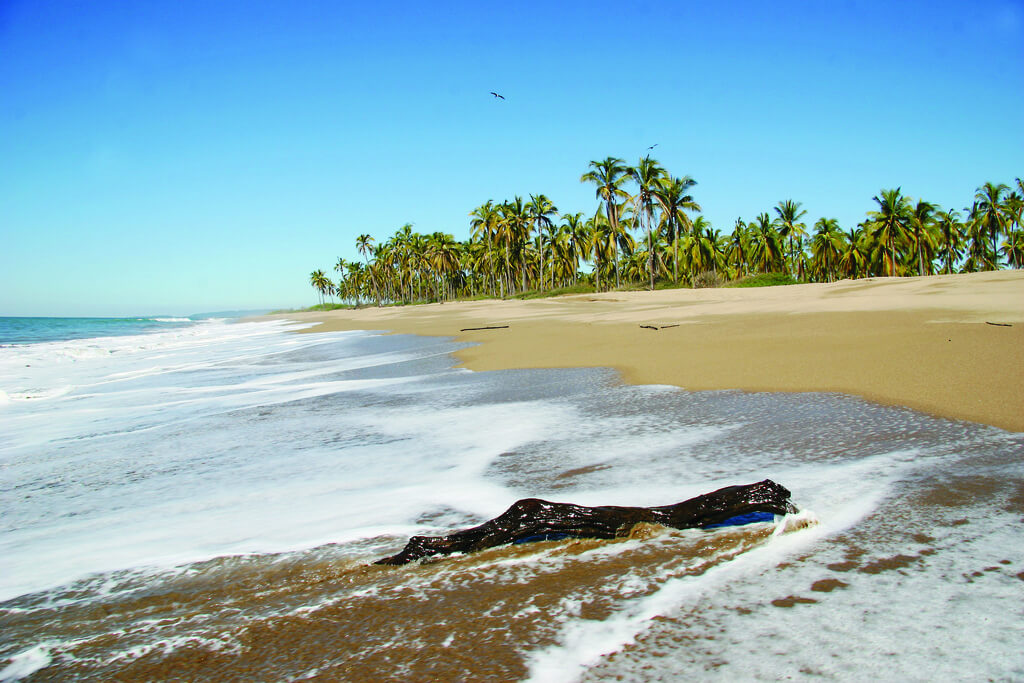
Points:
x=946, y=345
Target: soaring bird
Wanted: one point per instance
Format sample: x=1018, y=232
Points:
x=497, y=95
x=653, y=146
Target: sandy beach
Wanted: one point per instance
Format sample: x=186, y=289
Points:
x=947, y=345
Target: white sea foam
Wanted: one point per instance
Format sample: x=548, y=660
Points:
x=239, y=439
x=849, y=639
x=25, y=664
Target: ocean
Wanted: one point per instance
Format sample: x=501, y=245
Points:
x=203, y=500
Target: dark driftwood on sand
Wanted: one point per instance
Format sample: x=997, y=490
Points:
x=489, y=327
x=533, y=518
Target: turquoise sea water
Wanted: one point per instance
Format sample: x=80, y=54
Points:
x=40, y=329
x=32, y=330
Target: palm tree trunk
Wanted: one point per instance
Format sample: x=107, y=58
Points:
x=540, y=245
x=995, y=250
x=791, y=264
x=491, y=260
x=650, y=250
x=613, y=220
x=522, y=270
x=675, y=253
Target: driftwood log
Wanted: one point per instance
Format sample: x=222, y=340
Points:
x=534, y=519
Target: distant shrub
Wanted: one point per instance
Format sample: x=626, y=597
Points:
x=764, y=280
x=709, y=278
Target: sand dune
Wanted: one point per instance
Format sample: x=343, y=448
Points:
x=927, y=343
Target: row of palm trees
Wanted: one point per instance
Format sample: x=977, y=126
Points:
x=647, y=228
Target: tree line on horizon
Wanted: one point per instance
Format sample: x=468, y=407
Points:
x=648, y=230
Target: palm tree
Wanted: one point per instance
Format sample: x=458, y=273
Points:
x=921, y=220
x=826, y=248
x=853, y=260
x=320, y=282
x=992, y=213
x=1013, y=247
x=609, y=176
x=355, y=281
x=401, y=248
x=541, y=209
x=517, y=231
x=575, y=228
x=559, y=261
x=787, y=214
x=417, y=265
x=340, y=268
x=675, y=202
x=364, y=244
x=765, y=249
x=950, y=235
x=702, y=248
x=503, y=234
x=1014, y=236
x=889, y=224
x=485, y=221
x=443, y=260
x=647, y=175
x=598, y=238
x=383, y=256
x=716, y=246
x=979, y=256
x=738, y=249
x=314, y=281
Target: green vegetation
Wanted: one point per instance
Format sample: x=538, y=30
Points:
x=582, y=287
x=764, y=280
x=528, y=249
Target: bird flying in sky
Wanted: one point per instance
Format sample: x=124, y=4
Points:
x=497, y=95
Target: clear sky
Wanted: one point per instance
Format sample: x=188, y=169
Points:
x=162, y=157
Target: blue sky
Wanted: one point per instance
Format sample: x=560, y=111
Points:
x=178, y=157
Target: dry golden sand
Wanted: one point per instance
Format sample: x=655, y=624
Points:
x=921, y=342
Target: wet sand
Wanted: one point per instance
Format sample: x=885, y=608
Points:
x=947, y=345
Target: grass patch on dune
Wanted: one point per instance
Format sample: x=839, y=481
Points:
x=316, y=307
x=578, y=288
x=668, y=284
x=328, y=307
x=764, y=280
